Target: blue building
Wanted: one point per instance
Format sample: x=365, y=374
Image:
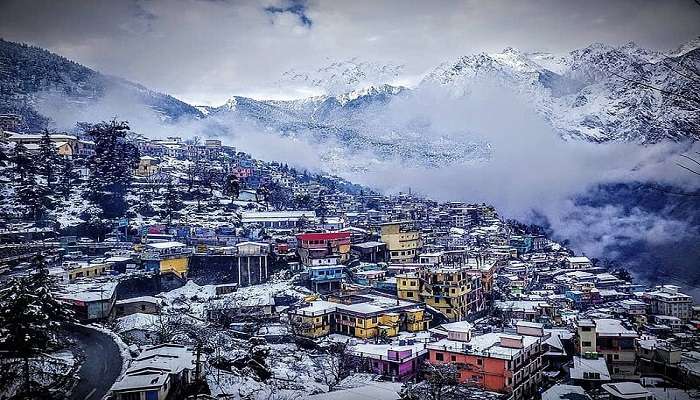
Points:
x=326, y=278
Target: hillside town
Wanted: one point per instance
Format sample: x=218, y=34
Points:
x=219, y=276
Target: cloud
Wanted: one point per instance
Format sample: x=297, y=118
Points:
x=206, y=51
x=295, y=7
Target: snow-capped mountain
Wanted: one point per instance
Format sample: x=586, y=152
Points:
x=598, y=93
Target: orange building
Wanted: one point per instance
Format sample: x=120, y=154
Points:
x=500, y=362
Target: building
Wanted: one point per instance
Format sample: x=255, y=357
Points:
x=371, y=252
x=326, y=278
x=627, y=391
x=589, y=370
x=565, y=392
x=90, y=301
x=578, y=263
x=164, y=257
x=611, y=339
x=508, y=363
x=279, y=219
x=142, y=304
x=147, y=166
x=403, y=241
x=365, y=315
x=312, y=246
x=667, y=300
x=159, y=372
x=399, y=361
x=455, y=292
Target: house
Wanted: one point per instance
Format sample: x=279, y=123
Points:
x=668, y=300
x=496, y=361
x=455, y=292
x=159, y=372
x=147, y=166
x=565, y=392
x=248, y=195
x=399, y=361
x=228, y=309
x=403, y=241
x=142, y=304
x=140, y=328
x=578, y=263
x=364, y=315
x=89, y=301
x=589, y=371
x=326, y=278
x=164, y=257
x=278, y=219
x=322, y=245
x=371, y=251
x=627, y=391
x=611, y=339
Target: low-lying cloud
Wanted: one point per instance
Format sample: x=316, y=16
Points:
x=529, y=173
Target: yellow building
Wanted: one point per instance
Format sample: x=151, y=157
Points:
x=402, y=240
x=363, y=316
x=84, y=270
x=455, y=292
x=165, y=257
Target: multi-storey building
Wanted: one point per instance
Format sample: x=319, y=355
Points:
x=508, y=363
x=667, y=300
x=455, y=292
x=313, y=246
x=403, y=241
x=610, y=338
x=366, y=315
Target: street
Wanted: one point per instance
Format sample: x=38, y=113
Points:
x=102, y=365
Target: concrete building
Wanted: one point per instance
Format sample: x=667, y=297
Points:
x=611, y=339
x=403, y=241
x=501, y=362
x=668, y=300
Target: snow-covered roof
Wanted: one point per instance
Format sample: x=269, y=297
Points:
x=373, y=390
x=589, y=365
x=626, y=390
x=565, y=392
x=165, y=245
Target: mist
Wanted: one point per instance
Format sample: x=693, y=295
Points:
x=522, y=165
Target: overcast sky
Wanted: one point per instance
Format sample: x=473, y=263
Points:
x=205, y=51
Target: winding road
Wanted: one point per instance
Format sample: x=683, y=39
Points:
x=102, y=365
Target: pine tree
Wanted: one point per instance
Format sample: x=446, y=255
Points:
x=67, y=178
x=232, y=187
x=49, y=159
x=30, y=193
x=30, y=317
x=173, y=203
x=111, y=166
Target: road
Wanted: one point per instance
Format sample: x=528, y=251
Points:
x=102, y=365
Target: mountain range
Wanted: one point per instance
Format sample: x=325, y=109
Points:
x=599, y=93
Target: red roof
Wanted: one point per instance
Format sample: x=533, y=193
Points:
x=324, y=236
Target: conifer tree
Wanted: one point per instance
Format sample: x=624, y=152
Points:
x=67, y=178
x=112, y=165
x=30, y=193
x=172, y=202
x=49, y=160
x=30, y=317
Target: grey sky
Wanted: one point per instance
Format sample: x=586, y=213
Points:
x=206, y=51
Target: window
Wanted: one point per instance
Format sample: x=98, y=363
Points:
x=409, y=294
x=479, y=361
x=586, y=328
x=586, y=344
x=439, y=357
x=413, y=283
x=616, y=356
x=453, y=358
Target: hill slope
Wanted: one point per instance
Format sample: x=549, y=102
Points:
x=29, y=75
